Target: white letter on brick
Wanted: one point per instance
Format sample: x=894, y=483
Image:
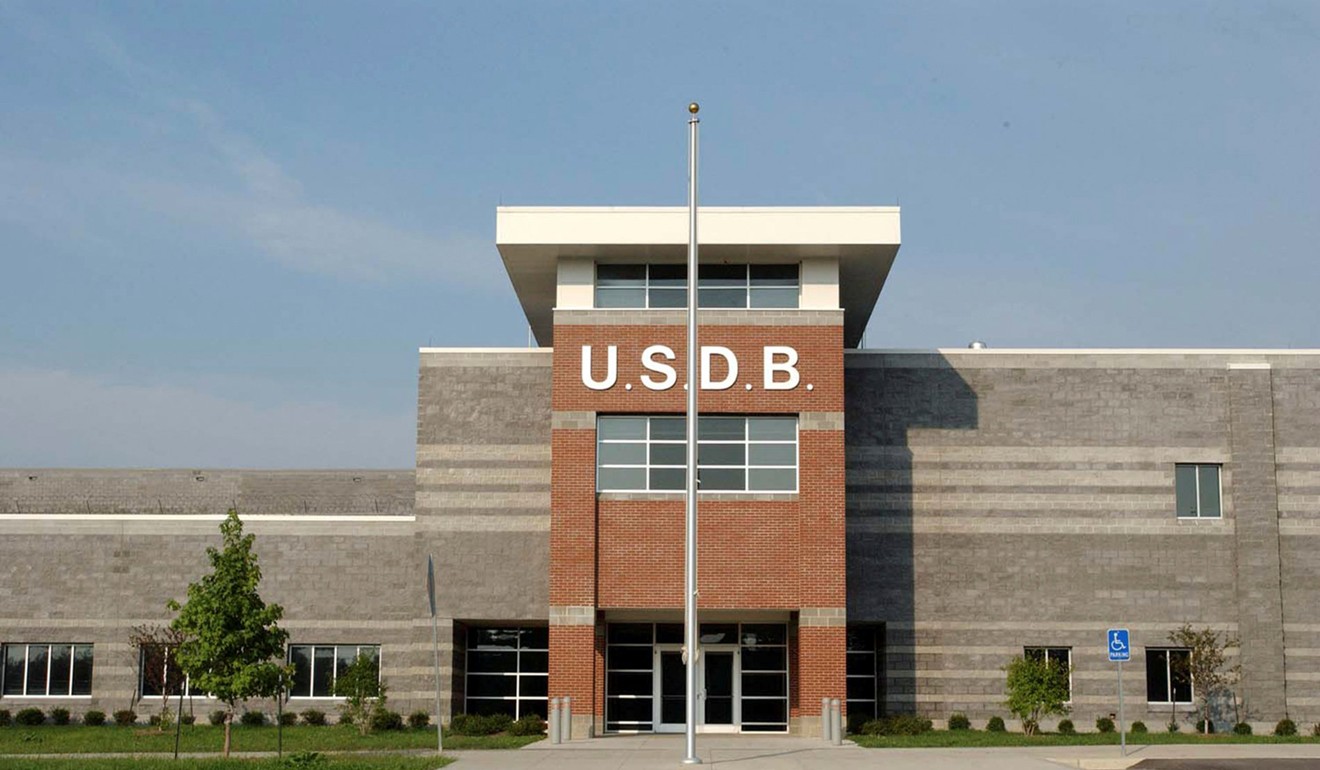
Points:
x=611, y=369
x=670, y=376
x=729, y=358
x=788, y=365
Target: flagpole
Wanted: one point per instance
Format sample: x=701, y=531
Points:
x=690, y=547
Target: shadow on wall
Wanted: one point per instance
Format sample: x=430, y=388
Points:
x=887, y=396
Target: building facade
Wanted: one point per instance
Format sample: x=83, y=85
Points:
x=887, y=527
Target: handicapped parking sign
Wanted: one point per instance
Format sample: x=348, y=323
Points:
x=1119, y=649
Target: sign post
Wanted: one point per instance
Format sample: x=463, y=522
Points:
x=435, y=647
x=1118, y=644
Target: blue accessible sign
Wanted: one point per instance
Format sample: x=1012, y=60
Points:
x=1117, y=642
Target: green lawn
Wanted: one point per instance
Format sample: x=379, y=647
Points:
x=49, y=739
x=290, y=763
x=980, y=738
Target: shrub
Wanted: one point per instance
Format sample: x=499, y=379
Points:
x=1203, y=727
x=897, y=724
x=216, y=718
x=345, y=719
x=153, y=720
x=1138, y=728
x=1242, y=728
x=1315, y=731
x=125, y=717
x=532, y=724
x=959, y=722
x=1106, y=725
x=1066, y=727
x=188, y=719
x=995, y=725
x=1285, y=727
x=6, y=718
x=30, y=717
x=1172, y=726
x=253, y=719
x=1036, y=688
x=472, y=724
x=288, y=718
x=94, y=718
x=305, y=759
x=59, y=716
x=419, y=719
x=313, y=717
x=382, y=719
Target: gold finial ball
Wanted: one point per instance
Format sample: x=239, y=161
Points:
x=693, y=107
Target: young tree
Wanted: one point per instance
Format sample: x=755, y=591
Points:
x=156, y=647
x=1204, y=665
x=363, y=693
x=1036, y=688
x=232, y=647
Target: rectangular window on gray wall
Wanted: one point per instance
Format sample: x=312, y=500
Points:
x=865, y=674
x=316, y=666
x=734, y=454
x=47, y=670
x=1059, y=657
x=507, y=671
x=1198, y=491
x=1167, y=680
x=718, y=286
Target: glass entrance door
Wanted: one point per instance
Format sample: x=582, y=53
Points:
x=718, y=681
x=717, y=705
x=671, y=688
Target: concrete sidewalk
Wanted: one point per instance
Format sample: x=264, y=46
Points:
x=751, y=752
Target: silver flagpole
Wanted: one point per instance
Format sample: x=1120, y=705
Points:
x=690, y=548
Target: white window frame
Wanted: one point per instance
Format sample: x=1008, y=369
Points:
x=27, y=657
x=1168, y=678
x=142, y=680
x=746, y=442
x=1219, y=481
x=334, y=671
x=646, y=286
x=1046, y=649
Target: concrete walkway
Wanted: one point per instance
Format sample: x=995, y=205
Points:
x=750, y=752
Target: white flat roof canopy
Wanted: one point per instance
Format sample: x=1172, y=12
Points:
x=532, y=239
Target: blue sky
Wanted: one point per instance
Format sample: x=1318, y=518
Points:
x=225, y=228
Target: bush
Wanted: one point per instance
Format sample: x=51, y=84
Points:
x=1138, y=728
x=532, y=724
x=345, y=719
x=6, y=719
x=94, y=718
x=995, y=725
x=1315, y=731
x=1201, y=726
x=1242, y=728
x=30, y=717
x=1106, y=725
x=125, y=717
x=188, y=719
x=1172, y=726
x=59, y=716
x=897, y=724
x=419, y=719
x=472, y=724
x=253, y=719
x=386, y=720
x=1285, y=727
x=313, y=717
x=1066, y=727
x=959, y=722
x=216, y=718
x=305, y=759
x=288, y=718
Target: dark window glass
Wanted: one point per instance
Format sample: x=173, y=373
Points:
x=630, y=428
x=629, y=683
x=772, y=479
x=620, y=275
x=620, y=298
x=533, y=685
x=669, y=633
x=1157, y=676
x=669, y=428
x=36, y=669
x=629, y=633
x=860, y=688
x=82, y=670
x=626, y=479
x=61, y=664
x=1208, y=481
x=538, y=706
x=13, y=673
x=534, y=662
x=669, y=454
x=491, y=685
x=861, y=664
x=630, y=658
x=624, y=454
x=772, y=454
x=323, y=672
x=772, y=428
x=721, y=276
x=774, y=275
x=721, y=454
x=754, y=634
x=861, y=638
x=773, y=298
x=668, y=298
x=718, y=633
x=723, y=298
x=487, y=706
x=300, y=657
x=630, y=710
x=1186, y=487
x=668, y=479
x=764, y=659
x=536, y=638
x=1181, y=682
x=720, y=429
x=773, y=711
x=495, y=637
x=721, y=479
x=754, y=685
x=492, y=661
x=669, y=276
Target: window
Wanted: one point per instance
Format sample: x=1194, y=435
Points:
x=734, y=454
x=508, y=671
x=315, y=666
x=1166, y=675
x=1198, y=491
x=56, y=670
x=1060, y=657
x=864, y=673
x=718, y=286
x=157, y=673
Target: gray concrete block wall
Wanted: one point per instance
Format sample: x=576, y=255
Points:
x=997, y=502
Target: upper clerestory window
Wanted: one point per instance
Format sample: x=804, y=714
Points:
x=1197, y=491
x=718, y=286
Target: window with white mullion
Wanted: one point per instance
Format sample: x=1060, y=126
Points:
x=46, y=670
x=740, y=286
x=734, y=454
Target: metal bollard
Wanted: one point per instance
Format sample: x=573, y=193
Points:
x=553, y=727
x=836, y=722
x=566, y=719
x=825, y=718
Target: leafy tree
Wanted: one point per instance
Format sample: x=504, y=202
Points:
x=1204, y=666
x=1036, y=688
x=232, y=647
x=363, y=693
